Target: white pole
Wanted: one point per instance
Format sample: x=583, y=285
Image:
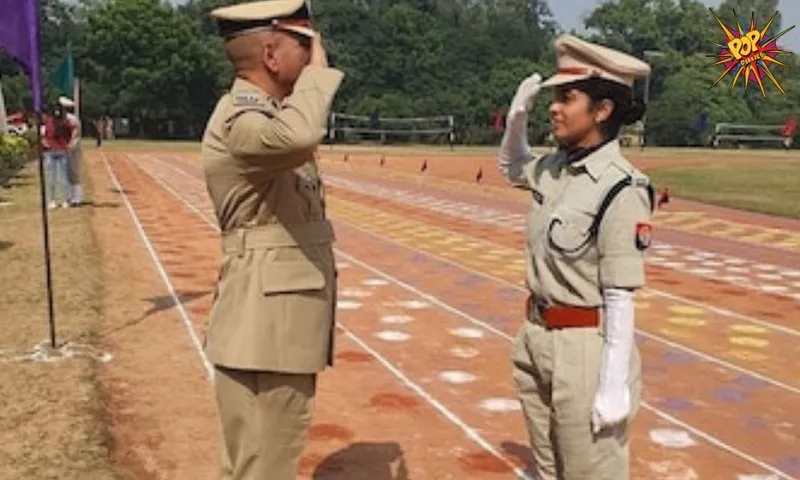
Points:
x=3, y=118
x=76, y=96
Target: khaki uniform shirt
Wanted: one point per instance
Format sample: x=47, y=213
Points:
x=565, y=264
x=276, y=295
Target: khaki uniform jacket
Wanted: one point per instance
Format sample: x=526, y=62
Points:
x=276, y=295
x=566, y=264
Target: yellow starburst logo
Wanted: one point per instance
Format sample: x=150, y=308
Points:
x=748, y=54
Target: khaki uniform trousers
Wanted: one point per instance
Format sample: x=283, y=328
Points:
x=265, y=418
x=556, y=373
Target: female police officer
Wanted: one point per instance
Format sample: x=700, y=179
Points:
x=576, y=368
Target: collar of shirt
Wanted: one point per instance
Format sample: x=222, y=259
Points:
x=593, y=160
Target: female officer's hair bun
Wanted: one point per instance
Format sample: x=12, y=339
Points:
x=634, y=112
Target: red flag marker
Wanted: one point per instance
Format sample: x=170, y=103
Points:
x=479, y=176
x=424, y=166
x=664, y=198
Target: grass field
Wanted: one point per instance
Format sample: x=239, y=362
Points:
x=52, y=423
x=773, y=189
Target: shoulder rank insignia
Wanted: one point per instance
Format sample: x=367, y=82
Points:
x=247, y=98
x=644, y=232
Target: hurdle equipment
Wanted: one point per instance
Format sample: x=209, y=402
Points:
x=737, y=134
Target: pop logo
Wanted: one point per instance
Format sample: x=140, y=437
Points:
x=749, y=54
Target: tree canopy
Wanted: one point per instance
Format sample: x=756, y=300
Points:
x=153, y=62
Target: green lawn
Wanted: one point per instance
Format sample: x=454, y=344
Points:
x=773, y=188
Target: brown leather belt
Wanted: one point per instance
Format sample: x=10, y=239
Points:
x=564, y=316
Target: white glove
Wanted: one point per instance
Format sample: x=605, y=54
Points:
x=514, y=147
x=612, y=401
x=526, y=93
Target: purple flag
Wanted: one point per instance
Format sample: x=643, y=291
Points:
x=19, y=36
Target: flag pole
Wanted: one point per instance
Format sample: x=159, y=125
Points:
x=45, y=231
x=43, y=184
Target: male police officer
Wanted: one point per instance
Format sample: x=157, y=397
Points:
x=271, y=327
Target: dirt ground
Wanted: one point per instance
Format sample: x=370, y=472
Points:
x=51, y=426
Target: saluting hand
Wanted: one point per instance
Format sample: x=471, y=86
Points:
x=526, y=92
x=319, y=58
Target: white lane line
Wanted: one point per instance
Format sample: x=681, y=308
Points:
x=470, y=432
x=665, y=341
x=438, y=204
x=161, y=272
x=701, y=434
x=726, y=313
x=475, y=321
x=717, y=310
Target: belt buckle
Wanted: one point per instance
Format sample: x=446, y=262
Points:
x=536, y=305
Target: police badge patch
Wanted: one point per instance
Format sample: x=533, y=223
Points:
x=644, y=231
x=246, y=98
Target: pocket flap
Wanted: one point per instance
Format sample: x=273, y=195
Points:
x=291, y=276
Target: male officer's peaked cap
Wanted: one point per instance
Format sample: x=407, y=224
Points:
x=244, y=18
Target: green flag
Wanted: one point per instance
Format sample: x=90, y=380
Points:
x=64, y=76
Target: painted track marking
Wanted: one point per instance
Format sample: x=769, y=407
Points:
x=664, y=416
x=469, y=432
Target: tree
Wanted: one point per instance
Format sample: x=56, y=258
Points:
x=150, y=63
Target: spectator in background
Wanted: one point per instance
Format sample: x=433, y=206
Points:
x=98, y=128
x=56, y=138
x=498, y=124
x=75, y=152
x=375, y=125
x=789, y=131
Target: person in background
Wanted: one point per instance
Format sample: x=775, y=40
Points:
x=75, y=152
x=56, y=139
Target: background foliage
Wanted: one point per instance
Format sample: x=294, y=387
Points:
x=152, y=62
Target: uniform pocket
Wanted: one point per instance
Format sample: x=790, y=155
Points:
x=289, y=276
x=569, y=230
x=296, y=306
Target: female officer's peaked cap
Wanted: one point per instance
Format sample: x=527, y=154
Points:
x=580, y=60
